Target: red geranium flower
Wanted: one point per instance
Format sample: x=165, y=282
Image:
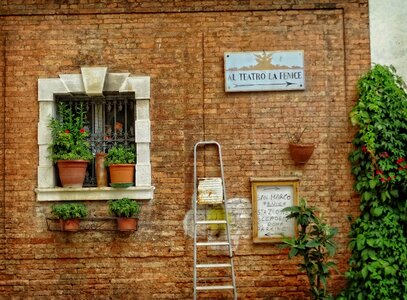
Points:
x=382, y=179
x=384, y=154
x=364, y=148
x=400, y=160
x=82, y=130
x=379, y=172
x=67, y=131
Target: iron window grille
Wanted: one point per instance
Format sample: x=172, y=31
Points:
x=110, y=122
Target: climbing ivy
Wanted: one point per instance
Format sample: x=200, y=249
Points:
x=378, y=264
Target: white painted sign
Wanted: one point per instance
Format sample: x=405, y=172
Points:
x=269, y=198
x=272, y=221
x=264, y=71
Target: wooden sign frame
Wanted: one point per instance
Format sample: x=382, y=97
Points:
x=269, y=197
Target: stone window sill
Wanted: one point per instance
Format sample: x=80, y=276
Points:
x=94, y=193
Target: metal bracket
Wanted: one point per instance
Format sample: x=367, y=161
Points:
x=87, y=224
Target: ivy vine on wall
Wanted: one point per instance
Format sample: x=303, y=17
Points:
x=378, y=264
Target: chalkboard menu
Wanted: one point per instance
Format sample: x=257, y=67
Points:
x=269, y=197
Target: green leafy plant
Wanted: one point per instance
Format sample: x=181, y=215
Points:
x=378, y=264
x=315, y=244
x=69, y=137
x=124, y=208
x=120, y=155
x=67, y=211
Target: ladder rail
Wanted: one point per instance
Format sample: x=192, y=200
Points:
x=195, y=198
x=196, y=222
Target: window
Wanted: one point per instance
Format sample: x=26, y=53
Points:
x=118, y=112
x=111, y=119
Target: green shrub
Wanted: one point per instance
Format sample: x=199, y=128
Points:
x=121, y=155
x=69, y=137
x=315, y=244
x=124, y=208
x=67, y=211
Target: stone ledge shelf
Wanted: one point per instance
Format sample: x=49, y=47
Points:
x=94, y=193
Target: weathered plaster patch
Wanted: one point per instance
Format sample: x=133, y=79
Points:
x=239, y=212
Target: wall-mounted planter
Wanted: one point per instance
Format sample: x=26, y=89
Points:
x=301, y=153
x=127, y=224
x=70, y=224
x=91, y=224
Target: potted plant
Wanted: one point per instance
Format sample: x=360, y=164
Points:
x=121, y=162
x=300, y=152
x=126, y=211
x=70, y=149
x=69, y=215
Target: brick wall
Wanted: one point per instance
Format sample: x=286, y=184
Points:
x=2, y=148
x=180, y=44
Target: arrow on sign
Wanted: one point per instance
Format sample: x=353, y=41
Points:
x=282, y=83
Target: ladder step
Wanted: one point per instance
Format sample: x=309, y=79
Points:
x=212, y=222
x=214, y=287
x=213, y=265
x=212, y=244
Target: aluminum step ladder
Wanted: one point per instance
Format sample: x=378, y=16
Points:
x=212, y=191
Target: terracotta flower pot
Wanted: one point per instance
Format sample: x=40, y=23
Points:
x=301, y=153
x=70, y=224
x=72, y=172
x=121, y=174
x=127, y=224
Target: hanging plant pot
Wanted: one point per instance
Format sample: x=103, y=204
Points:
x=126, y=211
x=70, y=224
x=301, y=153
x=127, y=224
x=121, y=175
x=72, y=172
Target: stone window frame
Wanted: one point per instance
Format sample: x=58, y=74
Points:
x=93, y=81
